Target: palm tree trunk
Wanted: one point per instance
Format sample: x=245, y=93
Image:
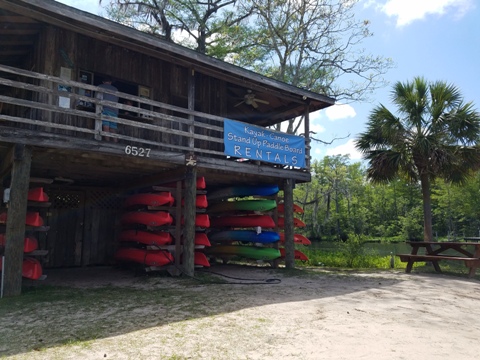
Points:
x=427, y=208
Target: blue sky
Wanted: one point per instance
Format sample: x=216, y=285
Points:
x=436, y=39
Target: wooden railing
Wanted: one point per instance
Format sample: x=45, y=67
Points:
x=50, y=104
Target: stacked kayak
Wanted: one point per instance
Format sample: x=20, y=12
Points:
x=248, y=252
x=31, y=268
x=238, y=222
x=32, y=218
x=37, y=194
x=30, y=243
x=147, y=236
x=298, y=239
x=245, y=236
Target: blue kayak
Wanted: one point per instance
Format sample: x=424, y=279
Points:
x=265, y=237
x=242, y=191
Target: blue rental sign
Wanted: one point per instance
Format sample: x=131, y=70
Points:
x=257, y=143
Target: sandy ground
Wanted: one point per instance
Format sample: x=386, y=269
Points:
x=324, y=315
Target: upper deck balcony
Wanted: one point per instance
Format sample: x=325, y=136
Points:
x=51, y=59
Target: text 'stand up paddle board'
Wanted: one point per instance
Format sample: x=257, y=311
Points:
x=296, y=209
x=297, y=239
x=248, y=252
x=243, y=221
x=37, y=194
x=242, y=191
x=145, y=257
x=32, y=218
x=298, y=255
x=296, y=222
x=243, y=205
x=148, y=218
x=150, y=199
x=153, y=238
x=30, y=243
x=31, y=268
x=265, y=237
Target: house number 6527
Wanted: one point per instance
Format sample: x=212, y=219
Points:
x=137, y=151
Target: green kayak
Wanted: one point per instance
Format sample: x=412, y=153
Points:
x=243, y=205
x=249, y=252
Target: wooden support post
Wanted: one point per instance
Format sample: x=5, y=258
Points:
x=191, y=106
x=307, y=136
x=178, y=228
x=15, y=229
x=189, y=222
x=98, y=122
x=289, y=228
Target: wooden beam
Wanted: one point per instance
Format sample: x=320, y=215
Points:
x=289, y=228
x=15, y=229
x=189, y=222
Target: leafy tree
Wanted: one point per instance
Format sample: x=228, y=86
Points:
x=204, y=21
x=434, y=136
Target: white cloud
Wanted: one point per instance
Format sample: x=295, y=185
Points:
x=340, y=111
x=346, y=149
x=407, y=11
x=317, y=128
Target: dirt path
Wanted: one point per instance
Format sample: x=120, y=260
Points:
x=381, y=315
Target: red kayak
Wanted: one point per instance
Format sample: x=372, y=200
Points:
x=31, y=268
x=37, y=194
x=201, y=202
x=201, y=220
x=149, y=218
x=30, y=243
x=32, y=219
x=296, y=222
x=157, y=238
x=264, y=221
x=150, y=199
x=201, y=239
x=296, y=209
x=298, y=255
x=200, y=260
x=145, y=257
x=297, y=239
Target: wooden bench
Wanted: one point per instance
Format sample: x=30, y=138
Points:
x=470, y=262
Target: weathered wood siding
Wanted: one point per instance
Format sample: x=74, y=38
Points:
x=83, y=227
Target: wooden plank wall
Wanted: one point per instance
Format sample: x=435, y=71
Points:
x=83, y=227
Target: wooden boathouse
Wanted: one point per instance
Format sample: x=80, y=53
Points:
x=172, y=106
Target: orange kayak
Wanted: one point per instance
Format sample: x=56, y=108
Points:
x=37, y=194
x=296, y=209
x=32, y=219
x=297, y=239
x=30, y=243
x=296, y=222
x=298, y=255
x=31, y=268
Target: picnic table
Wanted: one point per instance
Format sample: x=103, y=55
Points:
x=468, y=252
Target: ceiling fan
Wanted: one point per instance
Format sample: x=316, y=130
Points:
x=250, y=99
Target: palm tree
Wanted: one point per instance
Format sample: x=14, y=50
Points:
x=435, y=135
